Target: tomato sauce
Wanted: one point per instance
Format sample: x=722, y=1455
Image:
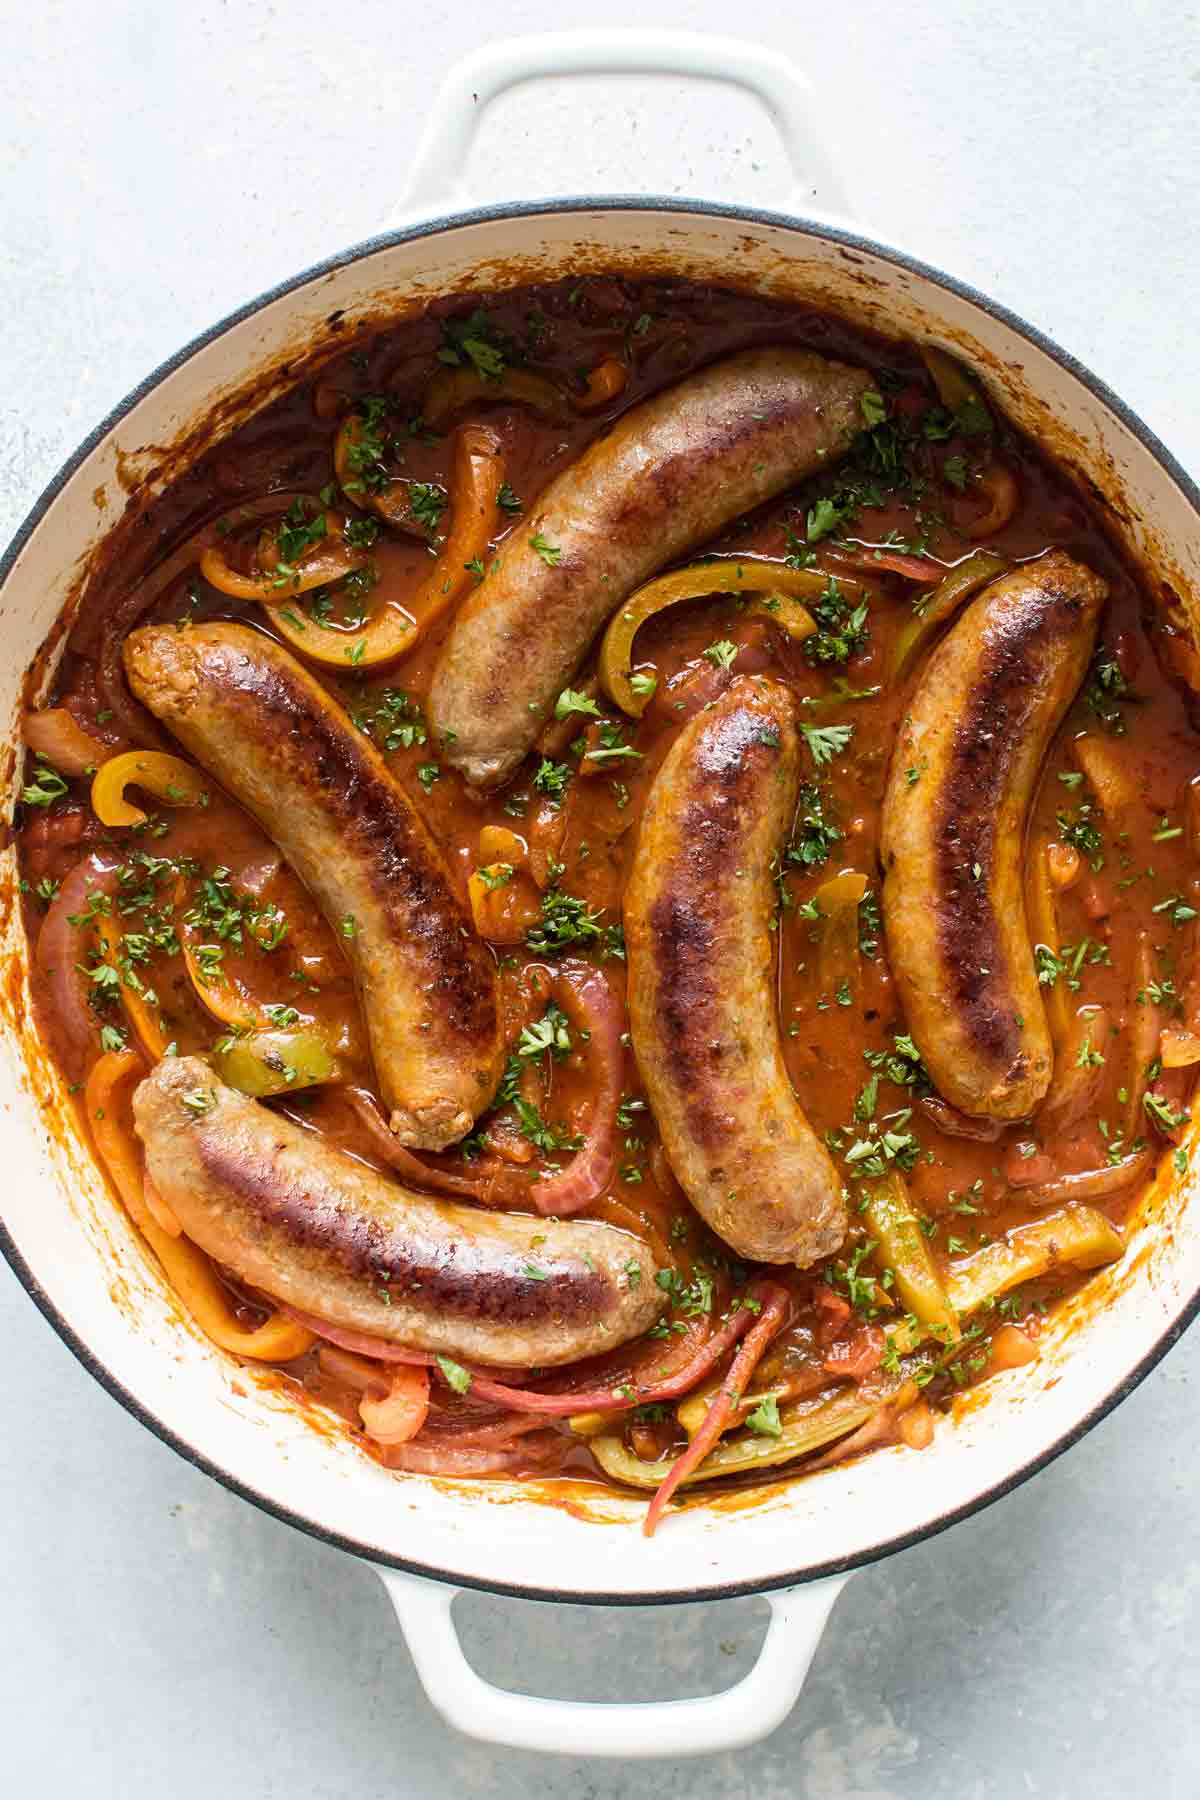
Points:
x=923, y=481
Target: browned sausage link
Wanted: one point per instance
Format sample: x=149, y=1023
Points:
x=963, y=776
x=668, y=475
x=702, y=981
x=273, y=737
x=290, y=1215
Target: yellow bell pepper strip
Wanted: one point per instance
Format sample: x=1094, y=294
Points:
x=777, y=590
x=1043, y=929
x=213, y=988
x=957, y=391
x=1142, y=1049
x=1077, y=1235
x=505, y=902
x=187, y=1268
x=498, y=844
x=811, y=1426
x=321, y=555
x=276, y=1062
x=974, y=572
x=452, y=389
x=138, y=1009
x=478, y=474
x=902, y=1246
x=168, y=777
x=839, y=957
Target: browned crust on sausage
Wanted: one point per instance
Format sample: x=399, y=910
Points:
x=701, y=968
x=980, y=722
x=667, y=475
x=274, y=737
x=310, y=1226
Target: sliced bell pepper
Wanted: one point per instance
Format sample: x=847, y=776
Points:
x=902, y=1246
x=974, y=572
x=452, y=389
x=326, y=558
x=839, y=957
x=776, y=590
x=168, y=777
x=277, y=1062
x=1077, y=1235
x=478, y=474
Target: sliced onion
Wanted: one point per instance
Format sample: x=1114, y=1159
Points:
x=57, y=735
x=621, y=1394
x=596, y=1010
x=133, y=721
x=383, y=1144
x=1093, y=1184
x=539, y=1451
x=776, y=1308
x=61, y=946
x=948, y=1119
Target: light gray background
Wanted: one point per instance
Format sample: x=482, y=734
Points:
x=162, y=164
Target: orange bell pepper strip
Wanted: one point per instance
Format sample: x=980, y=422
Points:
x=139, y=1010
x=188, y=1270
x=169, y=777
x=776, y=588
x=452, y=389
x=478, y=475
x=324, y=558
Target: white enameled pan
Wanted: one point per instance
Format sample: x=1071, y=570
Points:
x=75, y=1252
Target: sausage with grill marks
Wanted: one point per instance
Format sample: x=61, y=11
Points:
x=668, y=475
x=964, y=772
x=317, y=1230
x=277, y=741
x=702, y=960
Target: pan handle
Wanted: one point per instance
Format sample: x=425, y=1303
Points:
x=741, y=1715
x=438, y=168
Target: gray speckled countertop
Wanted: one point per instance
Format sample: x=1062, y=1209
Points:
x=163, y=164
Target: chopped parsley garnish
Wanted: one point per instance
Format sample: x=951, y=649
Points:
x=765, y=1418
x=541, y=1135
x=551, y=554
x=1080, y=831
x=823, y=516
x=474, y=340
x=456, y=1376
x=722, y=654
x=549, y=1035
x=842, y=627
x=427, y=502
x=551, y=778
x=46, y=787
x=1162, y=1113
x=198, y=1101
x=1106, y=691
x=570, y=701
x=565, y=920
x=826, y=741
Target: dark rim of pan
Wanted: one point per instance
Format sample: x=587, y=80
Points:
x=716, y=1590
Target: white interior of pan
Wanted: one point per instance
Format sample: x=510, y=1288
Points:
x=76, y=1243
